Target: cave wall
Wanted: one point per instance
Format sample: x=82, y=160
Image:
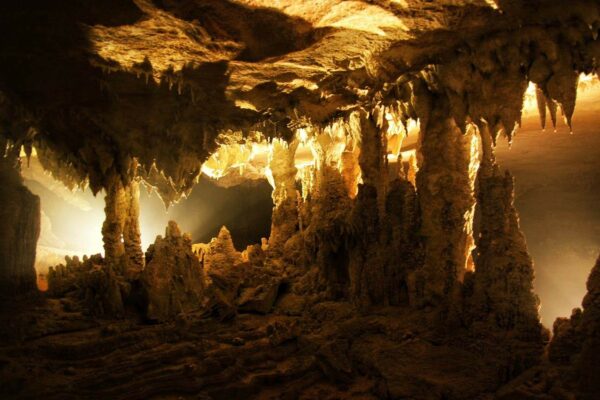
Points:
x=20, y=216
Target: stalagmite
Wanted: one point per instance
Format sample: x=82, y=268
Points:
x=120, y=231
x=220, y=254
x=445, y=196
x=367, y=269
x=285, y=197
x=173, y=276
x=541, y=103
x=588, y=361
x=503, y=279
x=329, y=205
x=398, y=272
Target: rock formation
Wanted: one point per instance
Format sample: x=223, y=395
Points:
x=285, y=198
x=101, y=291
x=121, y=229
x=589, y=358
x=20, y=216
x=173, y=276
x=220, y=254
x=503, y=278
x=386, y=274
x=445, y=195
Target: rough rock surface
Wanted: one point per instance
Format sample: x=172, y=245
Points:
x=366, y=288
x=92, y=282
x=445, y=196
x=121, y=229
x=503, y=279
x=587, y=364
x=220, y=254
x=330, y=352
x=20, y=216
x=173, y=277
x=285, y=198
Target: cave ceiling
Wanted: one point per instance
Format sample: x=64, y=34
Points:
x=117, y=89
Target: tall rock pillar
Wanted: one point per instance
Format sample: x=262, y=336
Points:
x=20, y=216
x=446, y=198
x=503, y=280
x=367, y=266
x=284, y=222
x=121, y=230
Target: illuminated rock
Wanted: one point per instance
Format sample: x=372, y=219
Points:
x=284, y=222
x=121, y=229
x=445, y=196
x=220, y=254
x=370, y=269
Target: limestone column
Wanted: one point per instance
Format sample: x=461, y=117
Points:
x=446, y=199
x=284, y=223
x=330, y=205
x=132, y=237
x=350, y=168
x=120, y=231
x=367, y=267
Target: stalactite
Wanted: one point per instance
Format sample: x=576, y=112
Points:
x=445, y=196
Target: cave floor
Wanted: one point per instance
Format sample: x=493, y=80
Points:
x=51, y=350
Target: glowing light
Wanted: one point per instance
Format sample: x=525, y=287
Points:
x=492, y=3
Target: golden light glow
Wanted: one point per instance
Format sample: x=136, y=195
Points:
x=588, y=87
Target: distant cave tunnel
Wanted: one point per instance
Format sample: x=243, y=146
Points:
x=70, y=220
x=244, y=209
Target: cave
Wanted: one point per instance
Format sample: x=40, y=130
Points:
x=298, y=199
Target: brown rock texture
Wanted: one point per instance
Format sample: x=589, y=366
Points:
x=173, y=277
x=101, y=291
x=445, y=196
x=220, y=254
x=20, y=216
x=121, y=229
x=367, y=287
x=503, y=278
x=586, y=365
x=284, y=221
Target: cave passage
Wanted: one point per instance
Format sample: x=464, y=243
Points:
x=375, y=200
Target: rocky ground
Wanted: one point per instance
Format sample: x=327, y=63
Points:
x=52, y=350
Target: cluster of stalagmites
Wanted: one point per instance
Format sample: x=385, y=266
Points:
x=444, y=240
